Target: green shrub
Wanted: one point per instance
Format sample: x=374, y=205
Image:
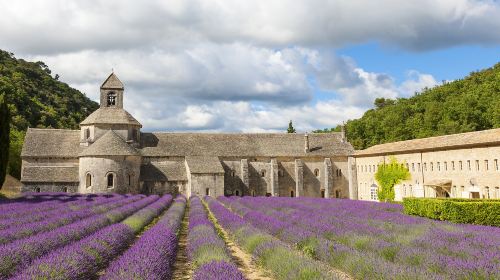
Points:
x=458, y=210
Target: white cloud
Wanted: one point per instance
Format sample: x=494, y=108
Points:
x=238, y=65
x=53, y=26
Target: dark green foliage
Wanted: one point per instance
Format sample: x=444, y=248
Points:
x=466, y=211
x=290, y=128
x=36, y=99
x=4, y=138
x=338, y=128
x=388, y=175
x=464, y=105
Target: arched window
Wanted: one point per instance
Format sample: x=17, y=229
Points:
x=111, y=99
x=237, y=193
x=263, y=173
x=292, y=194
x=316, y=172
x=233, y=173
x=129, y=179
x=207, y=191
x=111, y=180
x=87, y=133
x=281, y=173
x=323, y=193
x=88, y=180
x=37, y=189
x=65, y=189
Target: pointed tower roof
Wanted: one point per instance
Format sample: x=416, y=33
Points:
x=112, y=82
x=110, y=116
x=110, y=144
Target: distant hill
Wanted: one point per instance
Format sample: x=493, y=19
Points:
x=464, y=105
x=36, y=99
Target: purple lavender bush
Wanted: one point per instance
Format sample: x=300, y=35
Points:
x=205, y=249
x=20, y=253
x=376, y=240
x=271, y=253
x=218, y=270
x=85, y=258
x=152, y=256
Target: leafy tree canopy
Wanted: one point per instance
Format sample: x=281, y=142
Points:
x=4, y=138
x=36, y=99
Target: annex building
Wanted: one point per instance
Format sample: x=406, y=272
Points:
x=110, y=153
x=464, y=165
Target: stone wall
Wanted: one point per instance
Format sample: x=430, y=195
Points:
x=50, y=187
x=99, y=167
x=483, y=177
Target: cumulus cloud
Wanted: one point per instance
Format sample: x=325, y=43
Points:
x=238, y=65
x=68, y=26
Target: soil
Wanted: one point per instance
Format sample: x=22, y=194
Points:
x=182, y=269
x=241, y=258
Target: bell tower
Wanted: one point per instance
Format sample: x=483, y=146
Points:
x=112, y=93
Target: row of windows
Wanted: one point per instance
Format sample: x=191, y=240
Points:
x=110, y=178
x=452, y=165
x=281, y=173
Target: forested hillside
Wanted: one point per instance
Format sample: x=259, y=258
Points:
x=465, y=105
x=36, y=99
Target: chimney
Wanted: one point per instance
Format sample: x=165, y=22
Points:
x=306, y=143
x=342, y=132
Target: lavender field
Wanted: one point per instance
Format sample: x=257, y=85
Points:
x=112, y=236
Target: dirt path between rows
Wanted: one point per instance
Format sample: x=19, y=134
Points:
x=182, y=269
x=242, y=259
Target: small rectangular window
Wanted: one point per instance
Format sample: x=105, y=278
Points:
x=460, y=165
x=419, y=167
x=477, y=165
x=486, y=167
x=439, y=166
x=432, y=166
x=425, y=166
x=496, y=164
x=468, y=165
x=452, y=165
x=445, y=166
x=413, y=167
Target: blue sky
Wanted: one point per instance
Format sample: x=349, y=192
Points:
x=251, y=66
x=444, y=64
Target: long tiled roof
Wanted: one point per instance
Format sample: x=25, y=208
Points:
x=167, y=171
x=110, y=144
x=51, y=143
x=110, y=115
x=204, y=164
x=50, y=174
x=66, y=143
x=453, y=141
x=242, y=144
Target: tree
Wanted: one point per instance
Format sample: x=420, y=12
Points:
x=290, y=129
x=389, y=175
x=4, y=138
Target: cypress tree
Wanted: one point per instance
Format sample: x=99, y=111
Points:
x=4, y=138
x=290, y=129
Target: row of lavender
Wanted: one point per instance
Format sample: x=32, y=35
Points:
x=271, y=253
x=375, y=240
x=206, y=250
x=20, y=253
x=84, y=259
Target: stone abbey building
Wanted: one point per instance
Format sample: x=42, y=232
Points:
x=110, y=153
